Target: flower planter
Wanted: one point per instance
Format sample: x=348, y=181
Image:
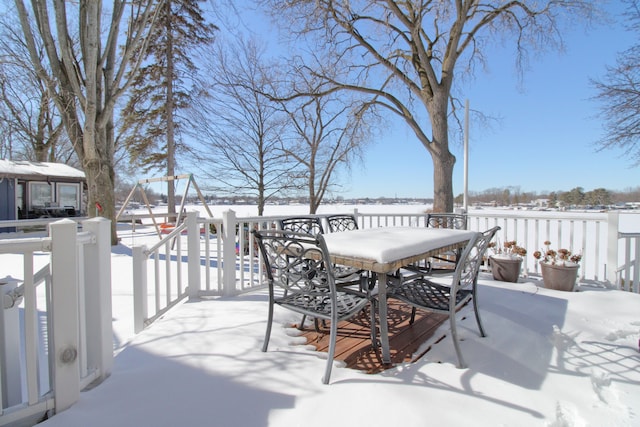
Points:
x=559, y=277
x=506, y=269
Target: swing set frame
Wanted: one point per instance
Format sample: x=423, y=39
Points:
x=139, y=187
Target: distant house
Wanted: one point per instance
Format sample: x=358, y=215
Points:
x=541, y=203
x=40, y=190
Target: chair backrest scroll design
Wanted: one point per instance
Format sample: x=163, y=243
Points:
x=295, y=262
x=308, y=225
x=447, y=220
x=466, y=275
x=339, y=223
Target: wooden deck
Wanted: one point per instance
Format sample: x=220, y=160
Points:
x=354, y=346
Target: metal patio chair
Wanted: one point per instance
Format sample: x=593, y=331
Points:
x=303, y=224
x=446, y=262
x=346, y=222
x=345, y=276
x=423, y=293
x=447, y=220
x=301, y=278
x=339, y=223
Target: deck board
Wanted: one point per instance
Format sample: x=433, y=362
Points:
x=353, y=345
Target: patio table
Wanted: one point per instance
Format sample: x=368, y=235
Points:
x=385, y=250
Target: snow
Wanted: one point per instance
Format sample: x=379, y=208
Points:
x=551, y=358
x=17, y=168
x=387, y=244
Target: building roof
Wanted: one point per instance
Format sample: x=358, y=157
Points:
x=17, y=168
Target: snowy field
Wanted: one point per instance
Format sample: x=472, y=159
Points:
x=629, y=220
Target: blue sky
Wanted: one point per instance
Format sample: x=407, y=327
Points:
x=544, y=138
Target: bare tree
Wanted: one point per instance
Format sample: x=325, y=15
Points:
x=86, y=79
x=27, y=110
x=328, y=132
x=619, y=93
x=239, y=145
x=408, y=54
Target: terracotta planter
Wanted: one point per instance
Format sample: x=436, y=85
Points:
x=559, y=277
x=506, y=269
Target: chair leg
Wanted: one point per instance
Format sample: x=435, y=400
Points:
x=454, y=337
x=332, y=349
x=477, y=312
x=374, y=341
x=301, y=325
x=372, y=280
x=267, y=334
x=316, y=324
x=413, y=316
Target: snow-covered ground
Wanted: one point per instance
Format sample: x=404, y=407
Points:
x=550, y=359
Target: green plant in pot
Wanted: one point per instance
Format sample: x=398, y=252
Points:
x=506, y=260
x=559, y=268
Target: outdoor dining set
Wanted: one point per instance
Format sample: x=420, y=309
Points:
x=328, y=269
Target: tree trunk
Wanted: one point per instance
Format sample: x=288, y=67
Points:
x=41, y=153
x=86, y=92
x=443, y=160
x=260, y=204
x=100, y=197
x=171, y=147
x=442, y=182
x=313, y=199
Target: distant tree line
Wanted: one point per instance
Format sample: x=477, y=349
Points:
x=508, y=196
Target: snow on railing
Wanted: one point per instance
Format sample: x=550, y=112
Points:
x=65, y=341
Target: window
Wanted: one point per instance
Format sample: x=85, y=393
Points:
x=69, y=195
x=39, y=194
x=20, y=200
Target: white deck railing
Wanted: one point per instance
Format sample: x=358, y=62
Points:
x=56, y=323
x=585, y=234
x=226, y=262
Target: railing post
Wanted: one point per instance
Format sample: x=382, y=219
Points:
x=613, y=223
x=64, y=313
x=228, y=252
x=355, y=215
x=10, y=378
x=97, y=281
x=193, y=255
x=139, y=287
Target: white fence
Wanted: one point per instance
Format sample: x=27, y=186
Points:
x=55, y=323
x=220, y=257
x=585, y=234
